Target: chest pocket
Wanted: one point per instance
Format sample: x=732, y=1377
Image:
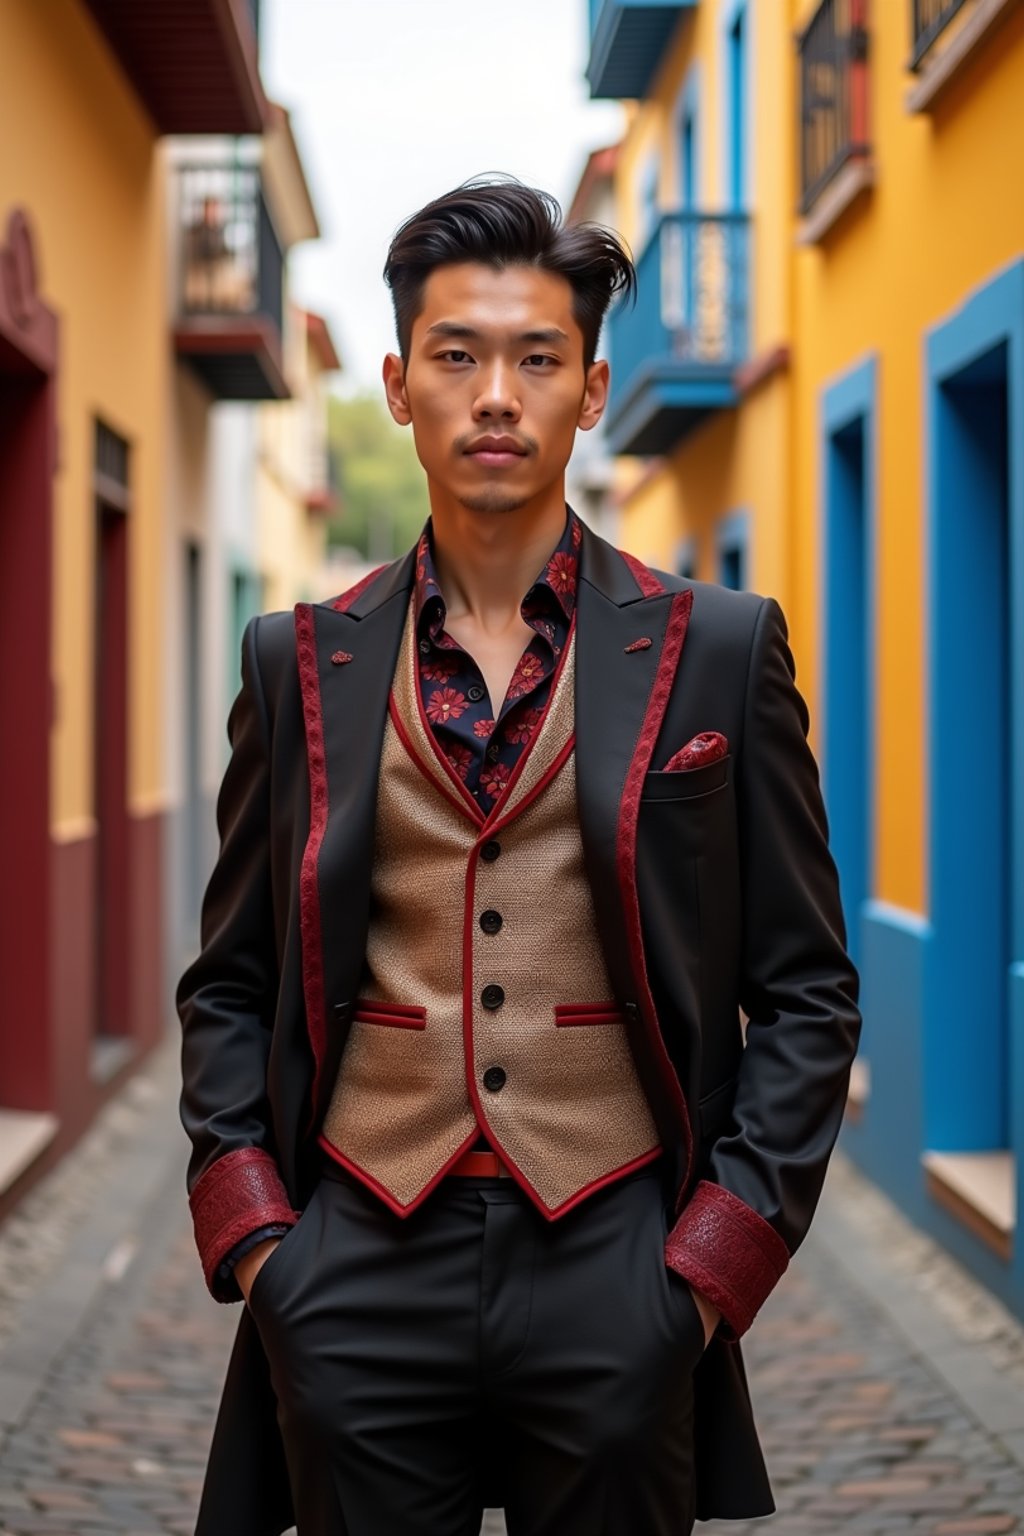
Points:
x=687, y=783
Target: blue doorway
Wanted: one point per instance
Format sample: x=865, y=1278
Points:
x=976, y=691
x=848, y=447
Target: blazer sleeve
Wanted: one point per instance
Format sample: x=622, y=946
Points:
x=799, y=990
x=226, y=999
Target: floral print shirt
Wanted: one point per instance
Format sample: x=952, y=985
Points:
x=481, y=747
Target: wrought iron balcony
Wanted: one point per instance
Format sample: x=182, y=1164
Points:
x=674, y=355
x=194, y=63
x=232, y=276
x=833, y=94
x=928, y=18
x=627, y=41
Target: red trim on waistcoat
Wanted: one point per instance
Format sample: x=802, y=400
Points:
x=724, y=1248
x=309, y=889
x=392, y=1204
x=379, y=1189
x=496, y=809
x=609, y=1012
x=465, y=795
x=367, y=1010
x=645, y=578
x=467, y=995
x=347, y=598
x=491, y=827
x=625, y=852
x=462, y=800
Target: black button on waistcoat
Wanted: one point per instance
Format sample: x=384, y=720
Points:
x=493, y=752
x=474, y=692
x=492, y=995
x=490, y=921
x=494, y=1078
x=425, y=647
x=490, y=850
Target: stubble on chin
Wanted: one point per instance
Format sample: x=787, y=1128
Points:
x=493, y=499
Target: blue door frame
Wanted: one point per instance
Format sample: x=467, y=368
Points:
x=974, y=1017
x=848, y=435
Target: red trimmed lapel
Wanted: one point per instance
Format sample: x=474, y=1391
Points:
x=622, y=691
x=344, y=710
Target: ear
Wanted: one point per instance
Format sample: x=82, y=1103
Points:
x=595, y=396
x=394, y=389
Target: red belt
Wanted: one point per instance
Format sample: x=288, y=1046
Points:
x=480, y=1164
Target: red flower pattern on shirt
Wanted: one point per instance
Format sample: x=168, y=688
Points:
x=529, y=670
x=482, y=750
x=439, y=669
x=522, y=728
x=562, y=572
x=460, y=758
x=445, y=704
x=494, y=778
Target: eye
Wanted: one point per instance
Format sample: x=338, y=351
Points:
x=540, y=360
x=455, y=355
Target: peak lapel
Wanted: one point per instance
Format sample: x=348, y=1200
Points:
x=614, y=689
x=622, y=690
x=344, y=709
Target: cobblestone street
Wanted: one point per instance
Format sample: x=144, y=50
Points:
x=889, y=1388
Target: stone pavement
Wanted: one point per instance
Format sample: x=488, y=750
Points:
x=889, y=1387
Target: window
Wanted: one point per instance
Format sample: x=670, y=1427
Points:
x=731, y=541
x=833, y=94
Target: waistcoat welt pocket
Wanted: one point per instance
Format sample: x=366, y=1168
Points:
x=395, y=1015
x=588, y=1013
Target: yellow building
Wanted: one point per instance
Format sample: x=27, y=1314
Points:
x=90, y=330
x=820, y=395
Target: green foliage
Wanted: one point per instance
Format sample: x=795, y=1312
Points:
x=383, y=488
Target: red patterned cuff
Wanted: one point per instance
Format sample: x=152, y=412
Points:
x=727, y=1251
x=238, y=1193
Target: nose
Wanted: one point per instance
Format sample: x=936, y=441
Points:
x=497, y=396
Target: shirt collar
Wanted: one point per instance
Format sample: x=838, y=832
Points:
x=554, y=582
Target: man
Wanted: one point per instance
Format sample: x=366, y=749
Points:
x=511, y=833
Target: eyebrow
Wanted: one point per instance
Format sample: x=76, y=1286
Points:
x=550, y=334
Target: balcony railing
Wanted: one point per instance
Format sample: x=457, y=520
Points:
x=674, y=355
x=833, y=94
x=927, y=19
x=232, y=277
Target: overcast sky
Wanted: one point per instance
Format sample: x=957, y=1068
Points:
x=395, y=101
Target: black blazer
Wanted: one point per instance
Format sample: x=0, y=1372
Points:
x=714, y=891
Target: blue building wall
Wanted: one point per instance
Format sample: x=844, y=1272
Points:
x=942, y=992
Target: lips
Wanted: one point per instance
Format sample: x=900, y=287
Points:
x=496, y=452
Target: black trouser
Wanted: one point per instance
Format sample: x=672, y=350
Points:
x=414, y=1359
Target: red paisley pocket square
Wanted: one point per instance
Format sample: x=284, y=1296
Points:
x=707, y=747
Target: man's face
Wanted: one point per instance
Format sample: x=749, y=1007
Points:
x=494, y=385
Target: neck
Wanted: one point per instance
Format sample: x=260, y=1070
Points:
x=487, y=560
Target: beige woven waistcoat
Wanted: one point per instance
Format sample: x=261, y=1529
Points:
x=508, y=1028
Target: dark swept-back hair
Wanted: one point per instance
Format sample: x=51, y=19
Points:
x=501, y=222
